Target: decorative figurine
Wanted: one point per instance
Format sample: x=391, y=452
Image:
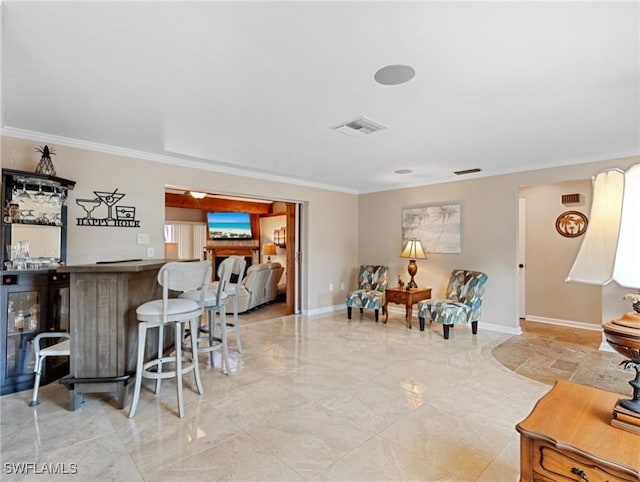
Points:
x=45, y=166
x=400, y=282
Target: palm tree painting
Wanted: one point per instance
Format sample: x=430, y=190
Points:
x=437, y=227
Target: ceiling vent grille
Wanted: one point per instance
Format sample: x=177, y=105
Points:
x=359, y=127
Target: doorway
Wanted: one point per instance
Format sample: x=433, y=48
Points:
x=182, y=209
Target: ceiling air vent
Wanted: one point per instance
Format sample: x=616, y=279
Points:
x=359, y=127
x=466, y=171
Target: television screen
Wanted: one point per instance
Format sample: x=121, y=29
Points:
x=229, y=225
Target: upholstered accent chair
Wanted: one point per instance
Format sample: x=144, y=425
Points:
x=463, y=302
x=372, y=282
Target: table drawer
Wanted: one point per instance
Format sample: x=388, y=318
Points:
x=396, y=297
x=552, y=462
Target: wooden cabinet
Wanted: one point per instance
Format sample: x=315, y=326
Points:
x=31, y=302
x=568, y=436
x=34, y=297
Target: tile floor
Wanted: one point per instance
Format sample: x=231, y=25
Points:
x=311, y=398
x=547, y=353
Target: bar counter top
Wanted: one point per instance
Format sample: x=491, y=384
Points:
x=116, y=266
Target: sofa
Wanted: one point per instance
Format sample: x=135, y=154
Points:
x=259, y=286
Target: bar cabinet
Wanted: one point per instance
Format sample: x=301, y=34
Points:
x=34, y=296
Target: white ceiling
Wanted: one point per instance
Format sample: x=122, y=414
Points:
x=254, y=88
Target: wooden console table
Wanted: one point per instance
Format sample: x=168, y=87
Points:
x=568, y=436
x=408, y=298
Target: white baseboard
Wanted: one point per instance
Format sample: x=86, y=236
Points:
x=569, y=323
x=509, y=330
x=324, y=309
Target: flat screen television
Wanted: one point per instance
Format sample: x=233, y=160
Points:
x=229, y=225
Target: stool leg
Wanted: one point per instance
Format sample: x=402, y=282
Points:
x=236, y=325
x=211, y=314
x=142, y=335
x=178, y=330
x=34, y=399
x=194, y=323
x=223, y=337
x=160, y=354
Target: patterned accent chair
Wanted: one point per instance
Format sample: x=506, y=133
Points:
x=372, y=282
x=463, y=303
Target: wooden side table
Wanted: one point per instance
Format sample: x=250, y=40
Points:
x=408, y=298
x=568, y=436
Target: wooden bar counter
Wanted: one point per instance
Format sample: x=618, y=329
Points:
x=103, y=302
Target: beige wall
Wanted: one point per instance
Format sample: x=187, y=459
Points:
x=489, y=232
x=549, y=257
x=339, y=231
x=329, y=242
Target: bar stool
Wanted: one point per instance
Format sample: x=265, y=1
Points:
x=62, y=348
x=174, y=276
x=237, y=273
x=215, y=302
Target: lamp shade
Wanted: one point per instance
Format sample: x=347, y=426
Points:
x=269, y=249
x=413, y=250
x=607, y=251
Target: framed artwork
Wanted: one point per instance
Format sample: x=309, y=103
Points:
x=571, y=224
x=436, y=226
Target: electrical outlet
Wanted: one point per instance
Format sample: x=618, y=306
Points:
x=143, y=239
x=341, y=286
x=151, y=253
x=330, y=286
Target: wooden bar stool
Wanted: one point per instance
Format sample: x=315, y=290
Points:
x=173, y=276
x=215, y=301
x=237, y=274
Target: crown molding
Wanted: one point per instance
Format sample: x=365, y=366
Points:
x=205, y=165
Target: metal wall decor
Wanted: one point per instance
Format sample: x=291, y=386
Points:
x=571, y=224
x=125, y=216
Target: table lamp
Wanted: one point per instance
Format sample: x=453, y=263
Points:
x=413, y=250
x=269, y=250
x=608, y=253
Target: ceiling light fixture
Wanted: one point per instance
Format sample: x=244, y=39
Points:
x=197, y=195
x=394, y=74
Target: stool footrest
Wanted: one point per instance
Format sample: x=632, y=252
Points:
x=69, y=381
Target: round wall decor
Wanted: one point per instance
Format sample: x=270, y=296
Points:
x=571, y=224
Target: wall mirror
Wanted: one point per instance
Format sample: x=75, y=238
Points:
x=44, y=241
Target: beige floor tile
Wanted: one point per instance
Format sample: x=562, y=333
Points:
x=320, y=398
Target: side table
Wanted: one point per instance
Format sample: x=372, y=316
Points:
x=408, y=298
x=568, y=436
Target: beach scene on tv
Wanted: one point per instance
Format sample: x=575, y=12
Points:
x=229, y=225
